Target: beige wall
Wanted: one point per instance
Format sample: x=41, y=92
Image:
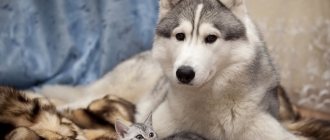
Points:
x=298, y=35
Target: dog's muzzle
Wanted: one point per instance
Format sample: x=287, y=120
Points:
x=185, y=74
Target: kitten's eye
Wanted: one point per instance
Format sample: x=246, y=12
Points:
x=139, y=137
x=211, y=39
x=151, y=135
x=180, y=36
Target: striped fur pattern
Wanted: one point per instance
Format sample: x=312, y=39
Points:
x=145, y=131
x=98, y=119
x=25, y=116
x=34, y=114
x=22, y=133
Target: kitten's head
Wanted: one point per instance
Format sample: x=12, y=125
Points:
x=137, y=131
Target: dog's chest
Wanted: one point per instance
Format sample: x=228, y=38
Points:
x=201, y=114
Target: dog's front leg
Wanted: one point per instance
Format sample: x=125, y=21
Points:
x=152, y=100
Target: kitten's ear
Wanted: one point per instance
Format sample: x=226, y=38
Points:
x=236, y=6
x=148, y=121
x=121, y=128
x=166, y=5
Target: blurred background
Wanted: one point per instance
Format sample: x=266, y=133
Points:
x=77, y=41
x=298, y=35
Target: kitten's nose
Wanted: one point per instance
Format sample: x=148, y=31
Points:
x=185, y=74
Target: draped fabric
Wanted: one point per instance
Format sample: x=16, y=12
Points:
x=70, y=41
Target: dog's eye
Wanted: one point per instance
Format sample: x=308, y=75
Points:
x=139, y=137
x=180, y=36
x=151, y=135
x=211, y=39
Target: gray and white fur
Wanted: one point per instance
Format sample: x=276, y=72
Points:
x=224, y=89
x=221, y=79
x=137, y=131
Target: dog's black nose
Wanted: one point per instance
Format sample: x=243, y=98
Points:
x=185, y=74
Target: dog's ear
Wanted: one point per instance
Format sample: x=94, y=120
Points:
x=238, y=7
x=166, y=5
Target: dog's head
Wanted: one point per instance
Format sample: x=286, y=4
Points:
x=196, y=39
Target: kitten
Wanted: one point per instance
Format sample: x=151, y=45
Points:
x=137, y=131
x=144, y=131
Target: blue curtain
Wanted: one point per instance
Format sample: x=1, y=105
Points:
x=70, y=41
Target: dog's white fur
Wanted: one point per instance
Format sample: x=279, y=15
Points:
x=220, y=109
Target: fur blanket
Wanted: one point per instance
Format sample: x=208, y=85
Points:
x=33, y=117
x=28, y=116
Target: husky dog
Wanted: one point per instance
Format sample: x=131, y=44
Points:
x=215, y=77
x=222, y=80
